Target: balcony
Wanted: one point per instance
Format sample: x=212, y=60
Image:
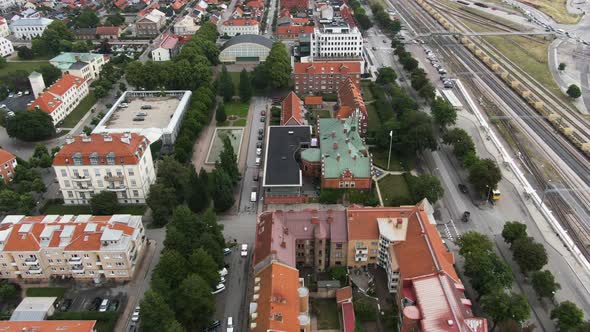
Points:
x=112, y=178
x=83, y=188
x=78, y=268
x=74, y=260
x=31, y=261
x=361, y=258
x=116, y=188
x=35, y=270
x=80, y=178
x=362, y=251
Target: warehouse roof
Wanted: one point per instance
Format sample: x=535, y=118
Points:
x=254, y=39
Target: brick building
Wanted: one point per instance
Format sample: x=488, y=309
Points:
x=350, y=100
x=292, y=111
x=7, y=165
x=324, y=76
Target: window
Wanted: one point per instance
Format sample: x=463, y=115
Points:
x=66, y=183
x=359, y=244
x=374, y=243
x=97, y=172
x=94, y=158
x=133, y=183
x=131, y=172
x=70, y=194
x=86, y=173
x=99, y=183
x=111, y=158
x=77, y=157
x=135, y=193
x=338, y=245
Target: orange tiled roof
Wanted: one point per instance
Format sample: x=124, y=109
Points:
x=5, y=156
x=278, y=295
x=349, y=95
x=291, y=109
x=102, y=31
x=293, y=29
x=48, y=326
x=343, y=294
x=102, y=147
x=49, y=100
x=254, y=4
x=313, y=100
x=327, y=67
x=240, y=22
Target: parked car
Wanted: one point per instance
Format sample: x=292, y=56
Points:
x=65, y=305
x=463, y=188
x=135, y=315
x=104, y=305
x=262, y=118
x=20, y=93
x=259, y=144
x=218, y=289
x=244, y=250
x=226, y=251
x=146, y=107
x=95, y=304
x=258, y=151
x=260, y=137
x=255, y=177
x=263, y=113
x=260, y=131
x=223, y=272
x=114, y=305
x=466, y=216
x=213, y=326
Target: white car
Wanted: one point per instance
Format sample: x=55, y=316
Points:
x=135, y=315
x=244, y=251
x=223, y=272
x=258, y=151
x=218, y=289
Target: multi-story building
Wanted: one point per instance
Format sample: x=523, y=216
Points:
x=350, y=101
x=48, y=326
x=186, y=26
x=343, y=159
x=293, y=32
x=121, y=163
x=7, y=165
x=318, y=77
x=150, y=24
x=292, y=111
x=85, y=65
x=61, y=98
x=108, y=32
x=336, y=40
x=245, y=48
x=27, y=28
x=239, y=26
x=5, y=4
x=4, y=29
x=6, y=47
x=82, y=247
x=167, y=48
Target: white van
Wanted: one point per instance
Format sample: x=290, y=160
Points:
x=253, y=196
x=104, y=305
x=257, y=161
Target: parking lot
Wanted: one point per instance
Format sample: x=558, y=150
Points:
x=86, y=299
x=17, y=103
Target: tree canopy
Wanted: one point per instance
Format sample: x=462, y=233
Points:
x=568, y=316
x=513, y=230
x=529, y=254
x=104, y=203
x=501, y=306
x=443, y=112
x=30, y=126
x=484, y=175
x=544, y=284
x=87, y=19
x=574, y=91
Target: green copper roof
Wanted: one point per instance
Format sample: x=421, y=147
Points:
x=311, y=155
x=66, y=59
x=342, y=148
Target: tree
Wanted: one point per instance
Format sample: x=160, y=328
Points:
x=197, y=196
x=501, y=306
x=245, y=86
x=30, y=126
x=544, y=284
x=443, y=112
x=228, y=160
x=154, y=312
x=462, y=143
x=484, y=175
x=278, y=66
x=569, y=317
x=8, y=200
x=203, y=264
x=473, y=241
x=2, y=62
x=161, y=199
x=194, y=304
x=574, y=91
x=220, y=115
x=87, y=19
x=426, y=186
x=115, y=20
x=363, y=20
x=561, y=66
x=169, y=273
x=512, y=231
x=386, y=75
x=416, y=132
x=487, y=272
x=26, y=203
x=226, y=85
x=104, y=203
x=223, y=197
x=339, y=273
x=55, y=38
x=174, y=326
x=528, y=254
x=7, y=292
x=25, y=53
x=259, y=77
x=100, y=92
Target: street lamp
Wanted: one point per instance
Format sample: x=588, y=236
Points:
x=390, y=142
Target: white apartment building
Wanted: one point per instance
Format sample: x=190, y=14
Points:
x=4, y=29
x=167, y=48
x=5, y=4
x=61, y=98
x=85, y=65
x=186, y=26
x=336, y=40
x=240, y=26
x=121, y=163
x=84, y=247
x=6, y=47
x=27, y=28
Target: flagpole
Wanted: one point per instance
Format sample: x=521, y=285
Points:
x=390, y=141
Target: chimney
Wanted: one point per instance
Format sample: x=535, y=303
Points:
x=70, y=139
x=333, y=133
x=77, y=57
x=338, y=157
x=399, y=222
x=346, y=130
x=354, y=157
x=283, y=244
x=349, y=151
x=126, y=139
x=335, y=145
x=343, y=121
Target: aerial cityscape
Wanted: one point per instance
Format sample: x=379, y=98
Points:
x=294, y=165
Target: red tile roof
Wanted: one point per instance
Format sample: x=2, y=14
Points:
x=108, y=31
x=178, y=4
x=278, y=297
x=48, y=326
x=293, y=29
x=240, y=22
x=344, y=294
x=327, y=67
x=349, y=95
x=300, y=20
x=348, y=317
x=254, y=4
x=313, y=100
x=50, y=99
x=291, y=110
x=121, y=4
x=127, y=154
x=168, y=41
x=6, y=156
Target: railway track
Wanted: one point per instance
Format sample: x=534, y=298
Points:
x=462, y=60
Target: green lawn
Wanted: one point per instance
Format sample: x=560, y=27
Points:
x=52, y=208
x=367, y=94
x=380, y=160
x=235, y=77
x=324, y=114
x=28, y=66
x=237, y=109
x=395, y=191
x=327, y=314
x=46, y=292
x=239, y=123
x=374, y=122
x=71, y=120
x=105, y=320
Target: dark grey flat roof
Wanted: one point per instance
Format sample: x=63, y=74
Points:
x=282, y=145
x=255, y=39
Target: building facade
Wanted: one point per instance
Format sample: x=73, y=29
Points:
x=82, y=247
x=7, y=165
x=6, y=47
x=167, y=48
x=108, y=32
x=235, y=26
x=150, y=24
x=85, y=65
x=186, y=26
x=336, y=40
x=319, y=77
x=4, y=29
x=27, y=28
x=350, y=101
x=62, y=97
x=120, y=163
x=245, y=48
